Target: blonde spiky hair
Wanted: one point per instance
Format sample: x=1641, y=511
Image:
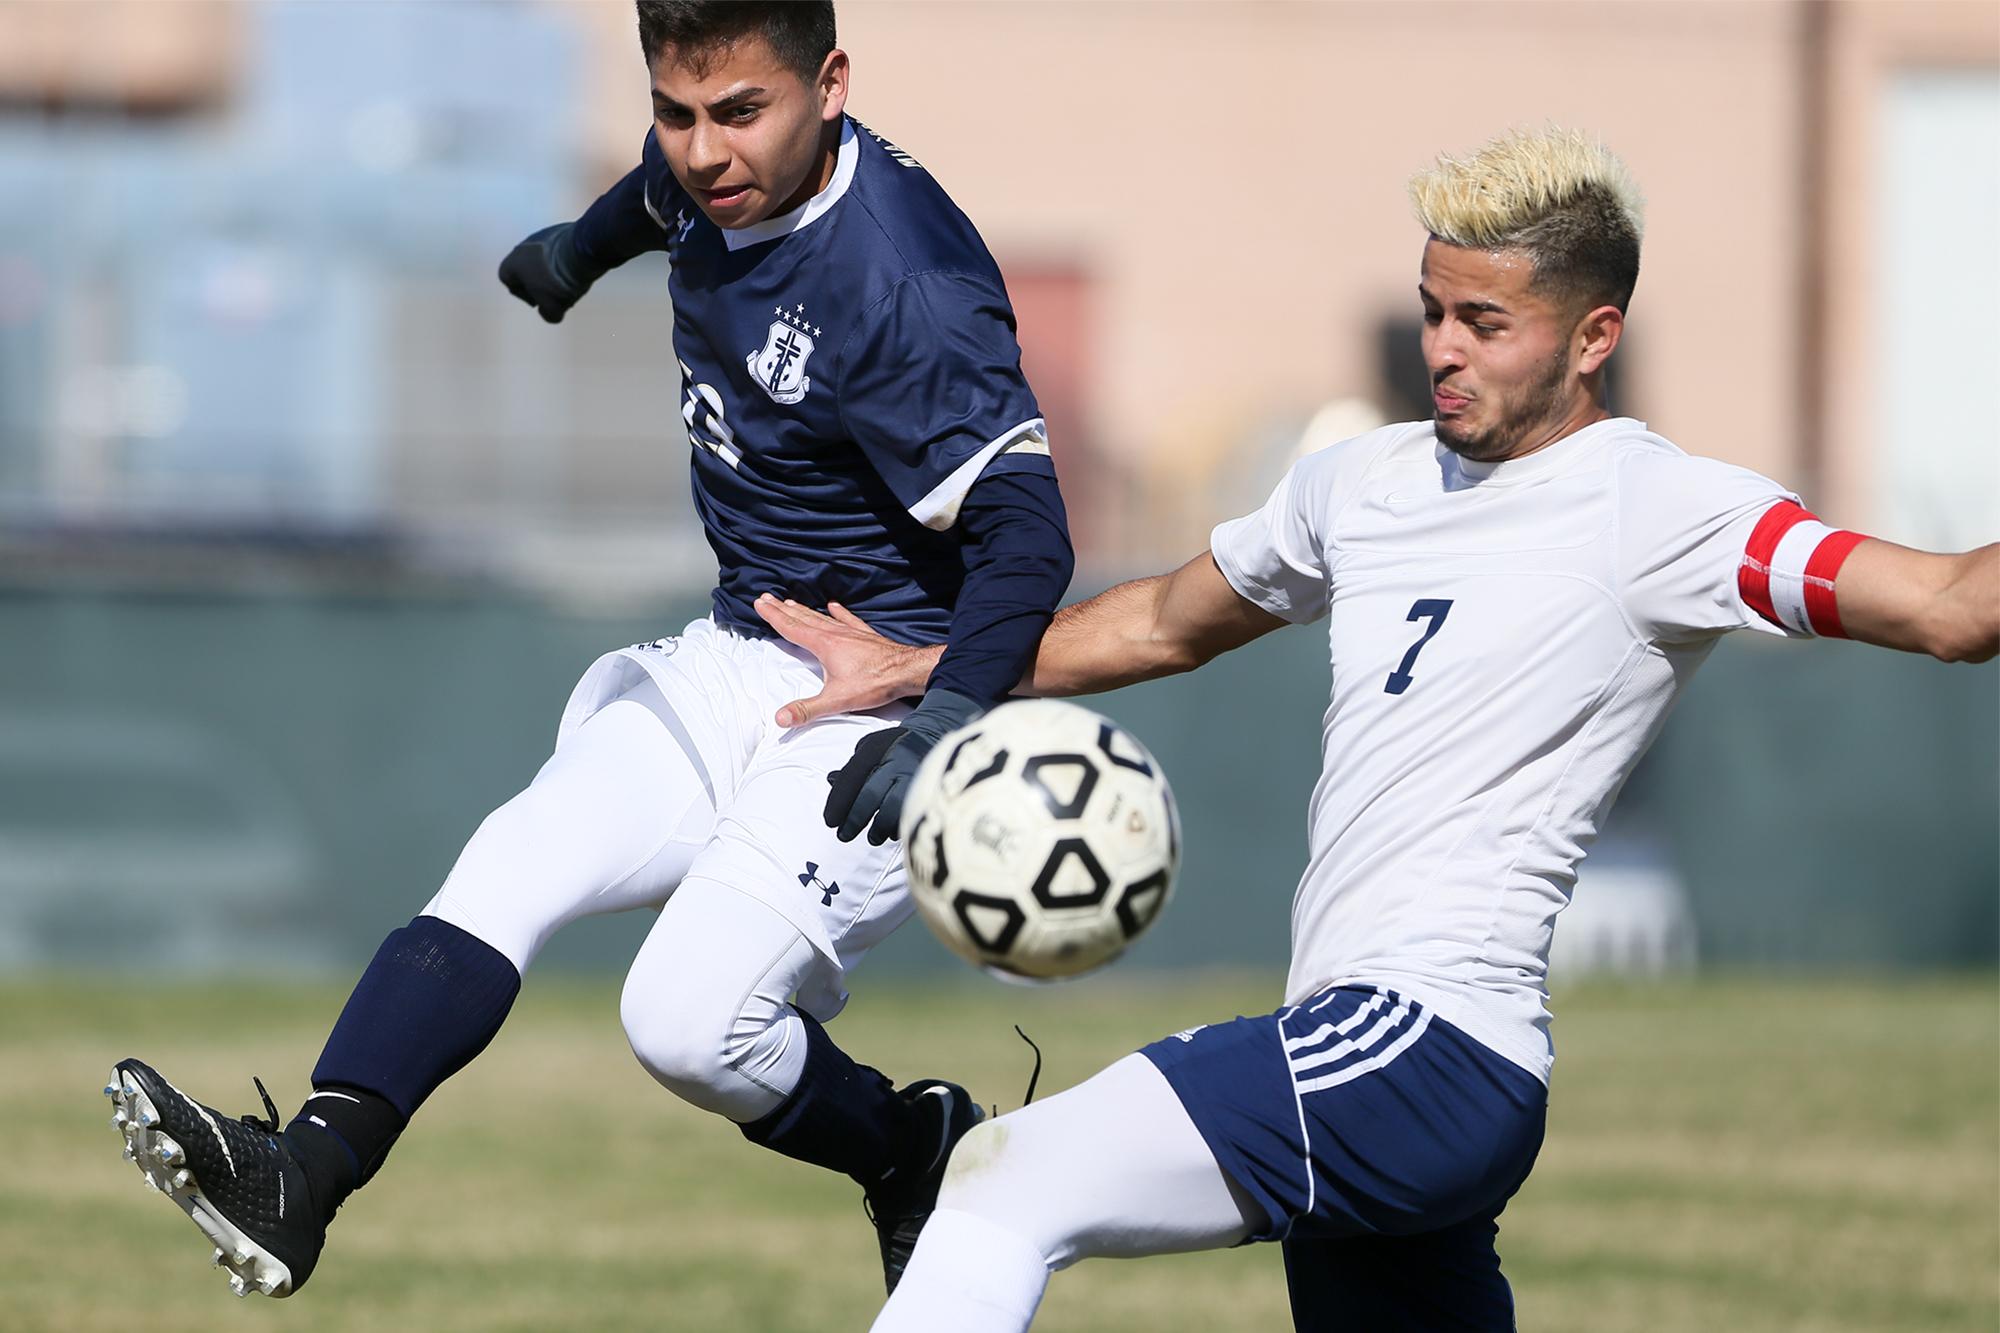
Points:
x=1557, y=194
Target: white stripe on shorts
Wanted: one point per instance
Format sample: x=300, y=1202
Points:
x=1305, y=1136
x=1340, y=1029
x=1339, y=1051
x=1373, y=1062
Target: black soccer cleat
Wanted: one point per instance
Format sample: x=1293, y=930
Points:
x=900, y=1203
x=236, y=1178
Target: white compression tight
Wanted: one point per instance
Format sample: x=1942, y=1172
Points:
x=1113, y=1167
x=612, y=822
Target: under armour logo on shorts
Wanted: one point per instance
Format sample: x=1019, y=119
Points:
x=811, y=880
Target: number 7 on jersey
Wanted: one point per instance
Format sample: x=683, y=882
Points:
x=1433, y=609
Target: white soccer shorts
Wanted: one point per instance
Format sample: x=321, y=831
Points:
x=718, y=692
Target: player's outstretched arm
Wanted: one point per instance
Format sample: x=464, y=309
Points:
x=1136, y=631
x=553, y=268
x=1944, y=605
x=548, y=272
x=1145, y=629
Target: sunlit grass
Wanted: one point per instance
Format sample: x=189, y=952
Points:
x=1723, y=1155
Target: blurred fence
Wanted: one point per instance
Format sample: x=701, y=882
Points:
x=306, y=528
x=274, y=776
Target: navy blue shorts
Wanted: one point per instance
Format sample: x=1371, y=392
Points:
x=1381, y=1143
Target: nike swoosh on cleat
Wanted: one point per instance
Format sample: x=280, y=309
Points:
x=944, y=1126
x=213, y=1128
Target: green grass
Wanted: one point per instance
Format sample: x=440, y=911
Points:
x=1737, y=1155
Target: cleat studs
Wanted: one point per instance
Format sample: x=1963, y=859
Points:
x=131, y=1088
x=216, y=1260
x=148, y=1116
x=118, y=1120
x=111, y=1089
x=148, y=1181
x=268, y=1283
x=240, y=1257
x=181, y=1179
x=167, y=1150
x=237, y=1286
x=130, y=1156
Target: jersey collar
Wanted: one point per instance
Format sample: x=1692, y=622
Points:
x=771, y=229
x=1557, y=455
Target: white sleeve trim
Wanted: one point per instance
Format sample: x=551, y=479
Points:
x=938, y=510
x=1277, y=601
x=1245, y=587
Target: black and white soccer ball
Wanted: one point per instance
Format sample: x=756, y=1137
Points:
x=1041, y=840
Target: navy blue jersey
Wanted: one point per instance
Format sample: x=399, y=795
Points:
x=848, y=370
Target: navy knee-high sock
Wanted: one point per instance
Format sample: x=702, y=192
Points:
x=431, y=1000
x=842, y=1115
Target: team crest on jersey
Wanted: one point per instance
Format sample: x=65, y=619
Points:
x=780, y=365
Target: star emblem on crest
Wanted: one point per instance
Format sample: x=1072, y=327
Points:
x=798, y=320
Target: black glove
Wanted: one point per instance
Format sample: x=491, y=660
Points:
x=874, y=782
x=546, y=271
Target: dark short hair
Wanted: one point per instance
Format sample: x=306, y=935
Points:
x=800, y=32
x=1585, y=252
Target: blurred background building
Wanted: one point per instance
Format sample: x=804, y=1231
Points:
x=306, y=527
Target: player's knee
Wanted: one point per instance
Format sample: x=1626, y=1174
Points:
x=975, y=1157
x=989, y=1173
x=677, y=1037
x=992, y=1178
x=694, y=1044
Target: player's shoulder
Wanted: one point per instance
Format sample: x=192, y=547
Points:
x=1345, y=467
x=1347, y=460
x=1652, y=472
x=902, y=223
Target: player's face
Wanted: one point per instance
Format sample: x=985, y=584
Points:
x=745, y=135
x=1504, y=381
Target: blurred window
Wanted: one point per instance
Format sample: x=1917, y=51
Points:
x=1938, y=465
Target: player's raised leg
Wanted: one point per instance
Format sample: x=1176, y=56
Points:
x=725, y=1002
x=1356, y=1113
x=609, y=823
x=1112, y=1167
x=708, y=1010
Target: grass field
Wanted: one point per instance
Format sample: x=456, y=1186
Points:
x=1725, y=1155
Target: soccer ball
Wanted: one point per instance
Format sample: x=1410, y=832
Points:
x=1041, y=840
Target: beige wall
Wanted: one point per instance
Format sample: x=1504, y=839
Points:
x=1232, y=174
x=1229, y=178
x=165, y=56
x=1235, y=174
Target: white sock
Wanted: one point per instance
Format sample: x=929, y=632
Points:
x=968, y=1275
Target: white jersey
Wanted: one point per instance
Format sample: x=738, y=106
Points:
x=1506, y=640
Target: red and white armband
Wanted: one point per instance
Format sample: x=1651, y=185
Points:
x=1788, y=570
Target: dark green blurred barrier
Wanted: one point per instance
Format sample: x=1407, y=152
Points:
x=1824, y=804
x=1836, y=803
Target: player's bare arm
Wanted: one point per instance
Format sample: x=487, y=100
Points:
x=1920, y=602
x=1145, y=629
x=1137, y=631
